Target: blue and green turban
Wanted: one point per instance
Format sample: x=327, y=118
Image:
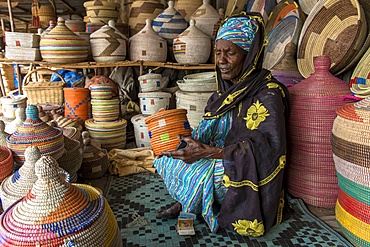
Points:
x=239, y=30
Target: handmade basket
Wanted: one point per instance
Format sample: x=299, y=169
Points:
x=140, y=130
x=76, y=103
x=351, y=147
x=207, y=19
x=43, y=91
x=187, y=7
x=101, y=11
x=6, y=162
x=3, y=134
x=311, y=174
x=95, y=162
x=152, y=82
x=72, y=158
x=18, y=39
x=99, y=92
x=152, y=102
x=105, y=109
x=34, y=132
x=55, y=213
x=340, y=36
x=164, y=128
x=109, y=135
x=360, y=78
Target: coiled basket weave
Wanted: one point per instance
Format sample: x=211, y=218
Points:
x=164, y=128
x=351, y=148
x=57, y=213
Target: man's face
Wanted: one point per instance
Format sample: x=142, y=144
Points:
x=229, y=59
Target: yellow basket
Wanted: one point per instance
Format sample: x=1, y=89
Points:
x=43, y=91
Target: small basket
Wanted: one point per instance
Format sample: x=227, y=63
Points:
x=43, y=91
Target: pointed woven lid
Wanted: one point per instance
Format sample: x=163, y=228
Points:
x=3, y=134
x=34, y=132
x=192, y=32
x=57, y=213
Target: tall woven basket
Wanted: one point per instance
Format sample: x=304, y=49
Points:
x=42, y=91
x=311, y=172
x=164, y=128
x=351, y=148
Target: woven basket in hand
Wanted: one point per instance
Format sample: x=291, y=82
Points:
x=43, y=91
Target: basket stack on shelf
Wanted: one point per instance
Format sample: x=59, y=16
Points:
x=151, y=101
x=195, y=90
x=106, y=127
x=22, y=46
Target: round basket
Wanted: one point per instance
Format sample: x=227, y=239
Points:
x=207, y=19
x=334, y=31
x=360, y=78
x=6, y=162
x=9, y=105
x=76, y=103
x=99, y=92
x=203, y=77
x=351, y=146
x=311, y=174
x=194, y=103
x=164, y=128
x=197, y=87
x=187, y=7
x=108, y=134
x=34, y=132
x=76, y=25
x=152, y=82
x=72, y=158
x=55, y=212
x=307, y=5
x=101, y=11
x=105, y=109
x=152, y=102
x=140, y=130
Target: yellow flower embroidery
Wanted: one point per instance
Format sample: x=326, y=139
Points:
x=256, y=114
x=249, y=228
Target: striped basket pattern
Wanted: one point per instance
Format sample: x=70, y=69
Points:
x=351, y=147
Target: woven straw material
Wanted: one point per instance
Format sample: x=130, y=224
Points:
x=147, y=45
x=95, y=162
x=311, y=173
x=164, y=128
x=207, y=19
x=55, y=212
x=194, y=103
x=335, y=28
x=187, y=7
x=61, y=45
x=109, y=135
x=22, y=54
x=360, y=78
x=264, y=7
x=152, y=102
x=101, y=92
x=72, y=158
x=105, y=109
x=34, y=132
x=43, y=91
x=17, y=185
x=26, y=40
x=141, y=131
x=307, y=5
x=152, y=82
x=6, y=162
x=7, y=75
x=3, y=134
x=76, y=104
x=351, y=147
x=101, y=11
x=192, y=45
x=140, y=11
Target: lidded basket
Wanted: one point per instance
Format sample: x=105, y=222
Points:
x=108, y=44
x=311, y=174
x=147, y=45
x=164, y=128
x=67, y=214
x=61, y=45
x=192, y=45
x=351, y=147
x=187, y=7
x=34, y=132
x=207, y=19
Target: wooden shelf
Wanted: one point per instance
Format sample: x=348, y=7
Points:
x=88, y=65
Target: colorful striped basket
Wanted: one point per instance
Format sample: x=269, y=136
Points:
x=109, y=135
x=76, y=103
x=17, y=185
x=311, y=172
x=56, y=213
x=360, y=78
x=34, y=132
x=105, y=110
x=6, y=162
x=164, y=128
x=351, y=147
x=61, y=45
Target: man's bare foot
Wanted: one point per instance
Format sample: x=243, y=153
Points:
x=171, y=213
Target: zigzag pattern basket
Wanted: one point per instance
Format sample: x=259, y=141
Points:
x=351, y=148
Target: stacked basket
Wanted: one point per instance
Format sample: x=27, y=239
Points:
x=151, y=101
x=105, y=126
x=22, y=46
x=56, y=213
x=351, y=147
x=195, y=90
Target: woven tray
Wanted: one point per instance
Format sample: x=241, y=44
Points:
x=335, y=28
x=43, y=91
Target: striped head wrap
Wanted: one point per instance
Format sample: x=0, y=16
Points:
x=239, y=30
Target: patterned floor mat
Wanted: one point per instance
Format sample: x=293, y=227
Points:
x=146, y=193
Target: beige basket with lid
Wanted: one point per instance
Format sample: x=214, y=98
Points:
x=43, y=91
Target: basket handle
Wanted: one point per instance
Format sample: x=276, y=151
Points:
x=27, y=77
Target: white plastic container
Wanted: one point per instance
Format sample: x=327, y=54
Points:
x=10, y=103
x=141, y=131
x=150, y=103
